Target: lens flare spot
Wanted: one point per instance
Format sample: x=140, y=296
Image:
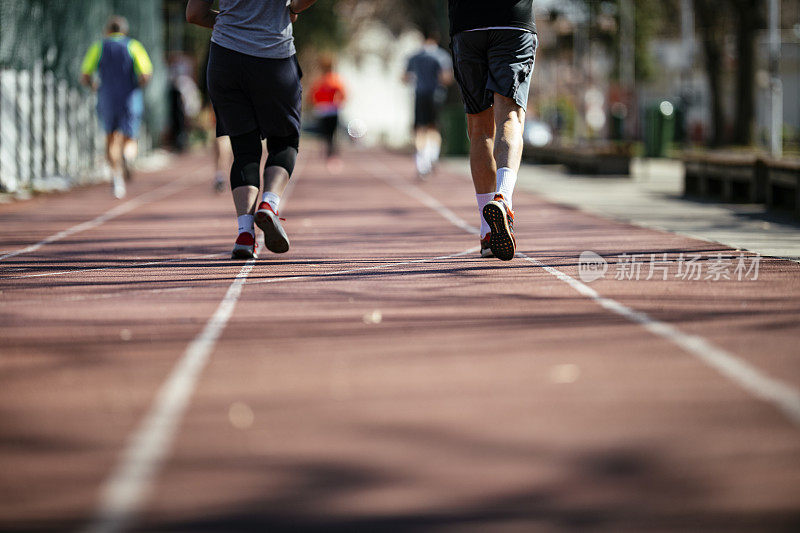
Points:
x=356, y=128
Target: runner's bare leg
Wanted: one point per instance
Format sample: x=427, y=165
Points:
x=275, y=179
x=130, y=148
x=114, y=143
x=509, y=120
x=481, y=131
x=245, y=199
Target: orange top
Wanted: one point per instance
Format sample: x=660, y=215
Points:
x=328, y=90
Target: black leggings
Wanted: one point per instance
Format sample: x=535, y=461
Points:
x=282, y=152
x=327, y=126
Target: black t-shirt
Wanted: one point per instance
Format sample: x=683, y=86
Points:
x=474, y=14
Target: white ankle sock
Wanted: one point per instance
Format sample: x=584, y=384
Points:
x=433, y=150
x=246, y=224
x=422, y=162
x=118, y=185
x=272, y=199
x=483, y=199
x=506, y=179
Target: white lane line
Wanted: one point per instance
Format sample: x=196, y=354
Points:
x=783, y=396
x=129, y=484
x=126, y=489
x=113, y=267
x=156, y=194
x=430, y=202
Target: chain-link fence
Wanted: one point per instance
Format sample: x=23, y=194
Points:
x=48, y=125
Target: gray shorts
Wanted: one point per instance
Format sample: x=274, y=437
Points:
x=493, y=61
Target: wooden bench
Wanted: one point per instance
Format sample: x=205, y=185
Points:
x=591, y=160
x=725, y=176
x=783, y=184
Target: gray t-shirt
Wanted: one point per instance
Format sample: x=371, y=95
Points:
x=258, y=28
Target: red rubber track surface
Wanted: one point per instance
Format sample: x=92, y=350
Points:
x=373, y=379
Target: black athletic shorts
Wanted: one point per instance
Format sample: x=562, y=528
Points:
x=426, y=110
x=250, y=93
x=493, y=61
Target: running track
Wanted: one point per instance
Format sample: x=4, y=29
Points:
x=381, y=376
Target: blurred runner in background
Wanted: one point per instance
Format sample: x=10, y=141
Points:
x=123, y=66
x=494, y=46
x=254, y=83
x=431, y=70
x=328, y=95
x=221, y=146
x=185, y=100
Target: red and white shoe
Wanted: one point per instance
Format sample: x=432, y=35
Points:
x=486, y=246
x=501, y=220
x=275, y=238
x=244, y=247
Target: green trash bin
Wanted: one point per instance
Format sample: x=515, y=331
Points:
x=454, y=130
x=659, y=128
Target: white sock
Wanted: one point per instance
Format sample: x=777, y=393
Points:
x=421, y=159
x=272, y=199
x=506, y=179
x=432, y=150
x=483, y=199
x=118, y=184
x=437, y=151
x=246, y=224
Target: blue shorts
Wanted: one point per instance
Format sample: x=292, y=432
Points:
x=121, y=114
x=486, y=62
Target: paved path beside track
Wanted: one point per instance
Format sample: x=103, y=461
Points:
x=381, y=375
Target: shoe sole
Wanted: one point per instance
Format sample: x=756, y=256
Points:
x=502, y=242
x=241, y=251
x=486, y=252
x=275, y=238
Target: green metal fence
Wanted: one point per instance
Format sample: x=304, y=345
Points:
x=48, y=125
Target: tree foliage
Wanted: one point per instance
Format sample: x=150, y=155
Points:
x=321, y=27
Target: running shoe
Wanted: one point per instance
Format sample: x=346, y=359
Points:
x=244, y=247
x=501, y=221
x=275, y=238
x=486, y=249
